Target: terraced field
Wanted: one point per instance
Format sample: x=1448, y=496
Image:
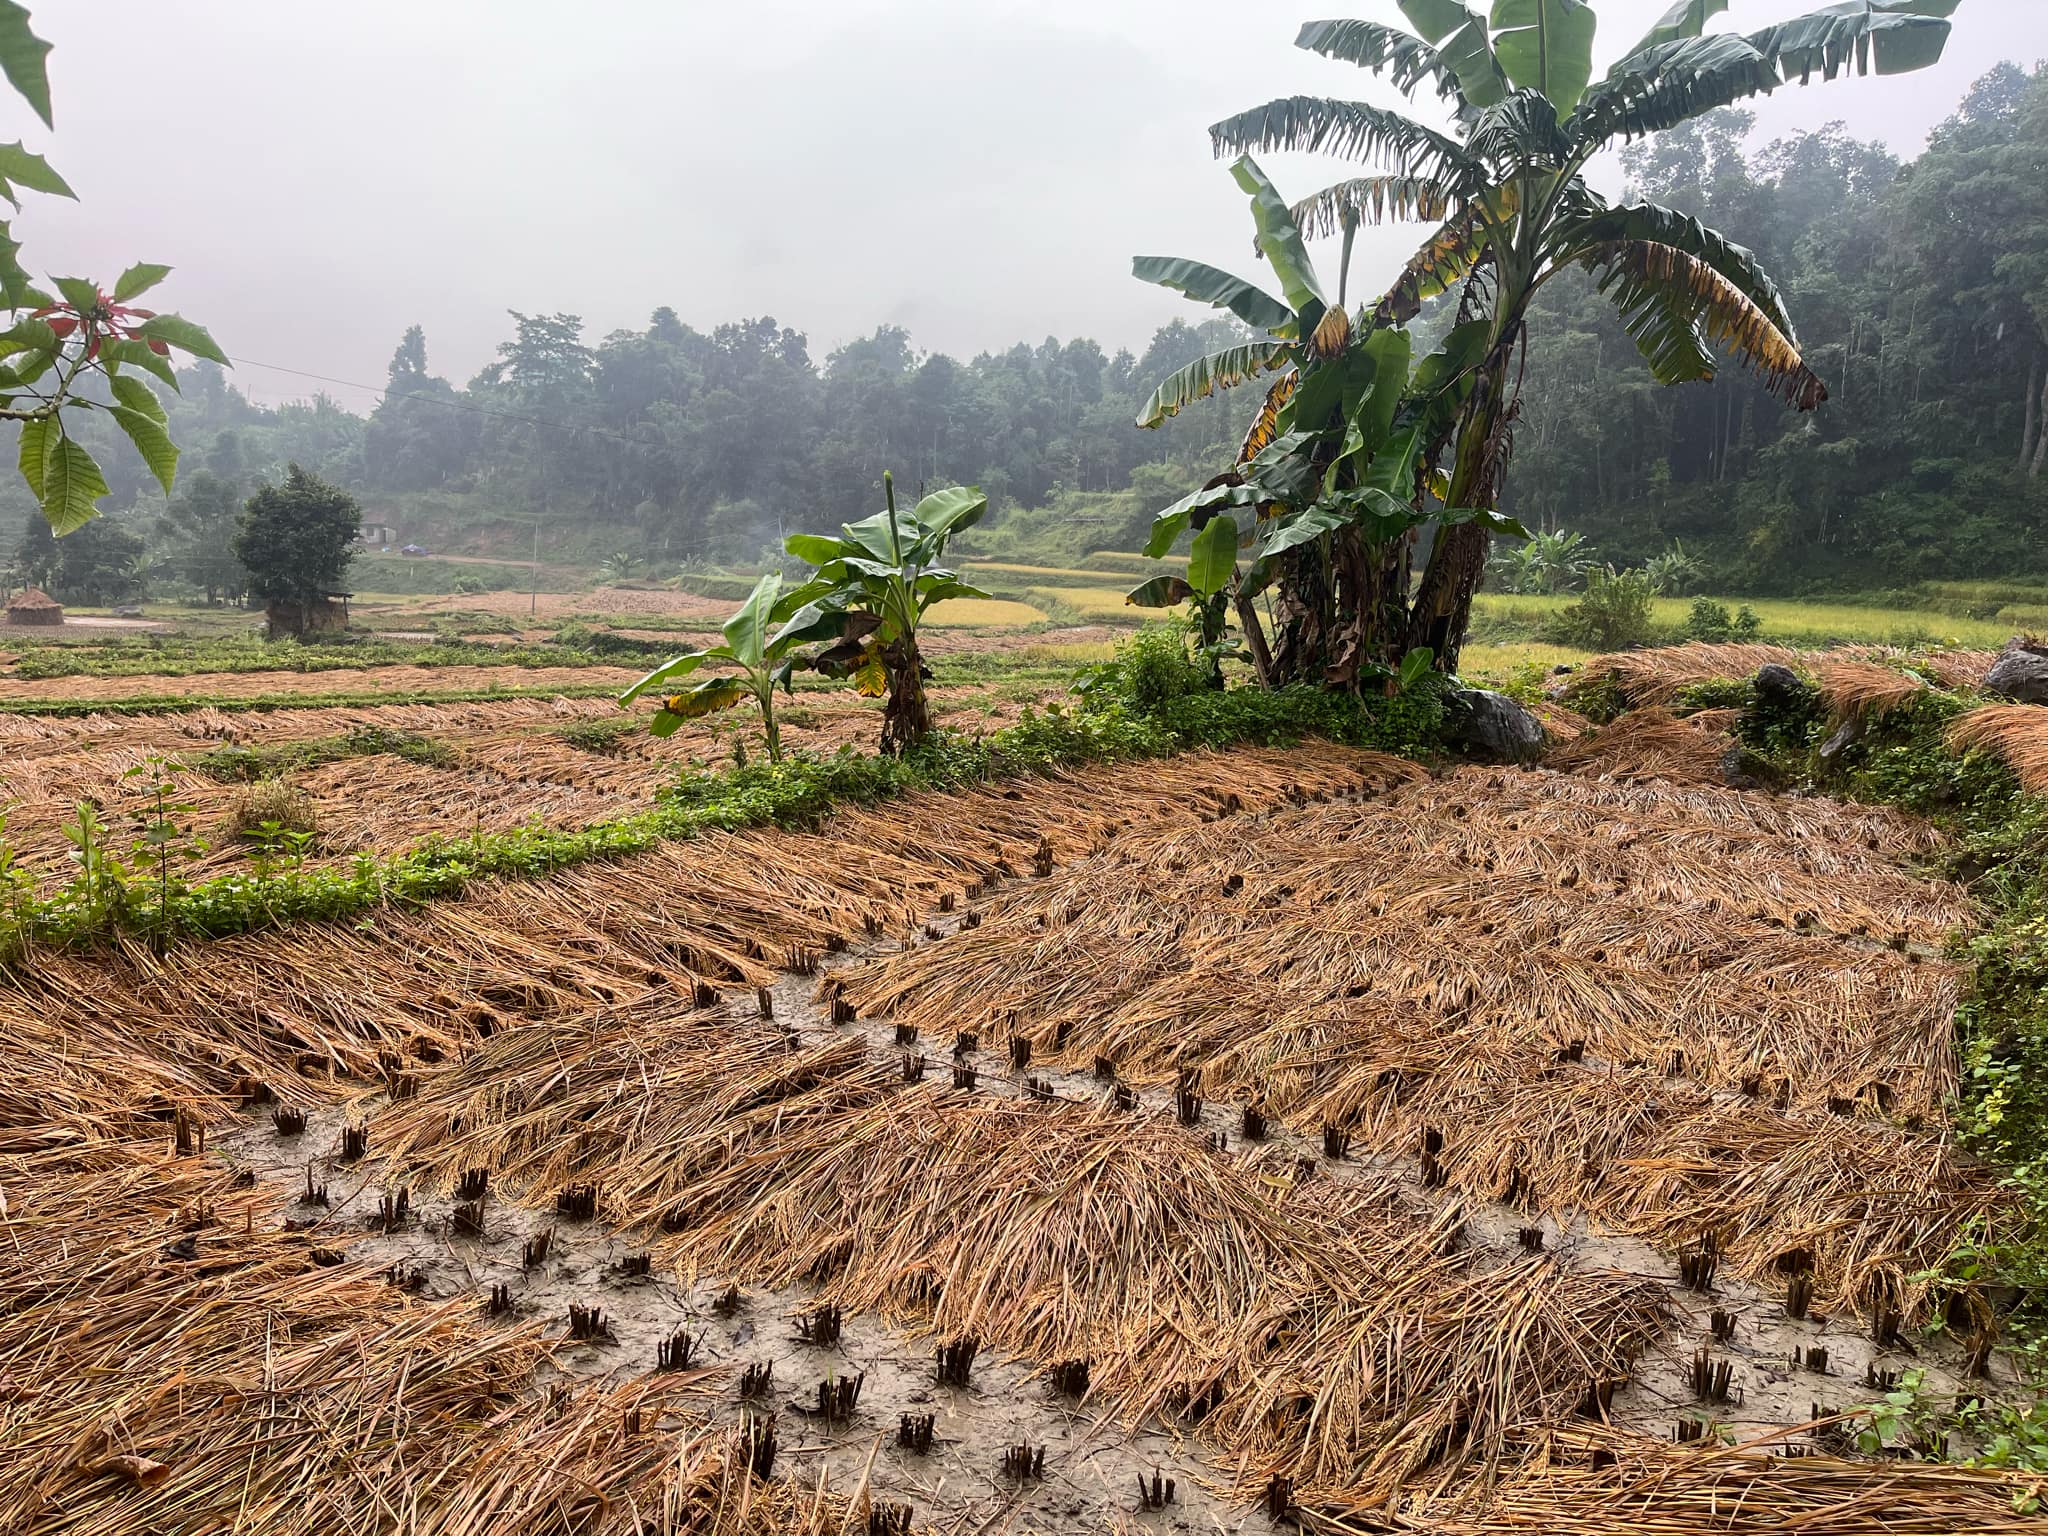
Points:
x=1243, y=1139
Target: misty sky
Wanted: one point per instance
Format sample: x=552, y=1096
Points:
x=977, y=171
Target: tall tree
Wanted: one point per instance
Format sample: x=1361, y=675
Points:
x=1515, y=209
x=296, y=541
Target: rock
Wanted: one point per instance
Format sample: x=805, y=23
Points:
x=1847, y=734
x=2020, y=673
x=1494, y=727
x=1735, y=770
x=1743, y=769
x=1776, y=684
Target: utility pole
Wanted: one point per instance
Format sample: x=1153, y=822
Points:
x=533, y=593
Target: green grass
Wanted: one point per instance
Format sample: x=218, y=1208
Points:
x=1505, y=659
x=263, y=703
x=1786, y=621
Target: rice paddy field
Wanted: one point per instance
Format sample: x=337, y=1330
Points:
x=1243, y=1140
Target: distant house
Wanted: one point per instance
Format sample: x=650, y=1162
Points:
x=377, y=535
x=35, y=606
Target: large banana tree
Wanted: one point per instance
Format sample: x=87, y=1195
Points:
x=1334, y=477
x=1505, y=188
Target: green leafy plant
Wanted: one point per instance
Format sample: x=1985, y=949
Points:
x=1673, y=571
x=1207, y=588
x=763, y=660
x=1712, y=622
x=96, y=896
x=869, y=592
x=57, y=343
x=1151, y=667
x=1614, y=614
x=161, y=840
x=17, y=892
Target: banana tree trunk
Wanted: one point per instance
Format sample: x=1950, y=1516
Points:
x=1300, y=640
x=1255, y=639
x=1443, y=605
x=906, y=718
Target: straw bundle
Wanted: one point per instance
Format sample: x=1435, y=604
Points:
x=1658, y=676
x=1646, y=744
x=1647, y=1487
x=1432, y=958
x=1865, y=690
x=2016, y=734
x=1559, y=723
x=1957, y=669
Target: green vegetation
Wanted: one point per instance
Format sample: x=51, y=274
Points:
x=297, y=541
x=236, y=764
x=764, y=661
x=1921, y=286
x=871, y=588
x=62, y=356
x=1499, y=619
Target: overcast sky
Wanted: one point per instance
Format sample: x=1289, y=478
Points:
x=977, y=171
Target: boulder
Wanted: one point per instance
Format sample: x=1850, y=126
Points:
x=1492, y=726
x=2020, y=673
x=1776, y=684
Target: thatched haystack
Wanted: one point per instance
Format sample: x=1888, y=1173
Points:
x=34, y=607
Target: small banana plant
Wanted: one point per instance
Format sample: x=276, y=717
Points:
x=758, y=662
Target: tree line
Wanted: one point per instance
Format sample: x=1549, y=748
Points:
x=1921, y=295
x=1920, y=291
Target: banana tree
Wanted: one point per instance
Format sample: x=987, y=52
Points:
x=1207, y=588
x=872, y=587
x=1506, y=191
x=1336, y=472
x=762, y=662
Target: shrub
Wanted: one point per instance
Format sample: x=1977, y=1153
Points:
x=1712, y=622
x=1613, y=615
x=1152, y=667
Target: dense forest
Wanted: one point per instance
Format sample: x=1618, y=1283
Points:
x=1921, y=291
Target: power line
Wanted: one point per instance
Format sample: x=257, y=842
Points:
x=453, y=405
